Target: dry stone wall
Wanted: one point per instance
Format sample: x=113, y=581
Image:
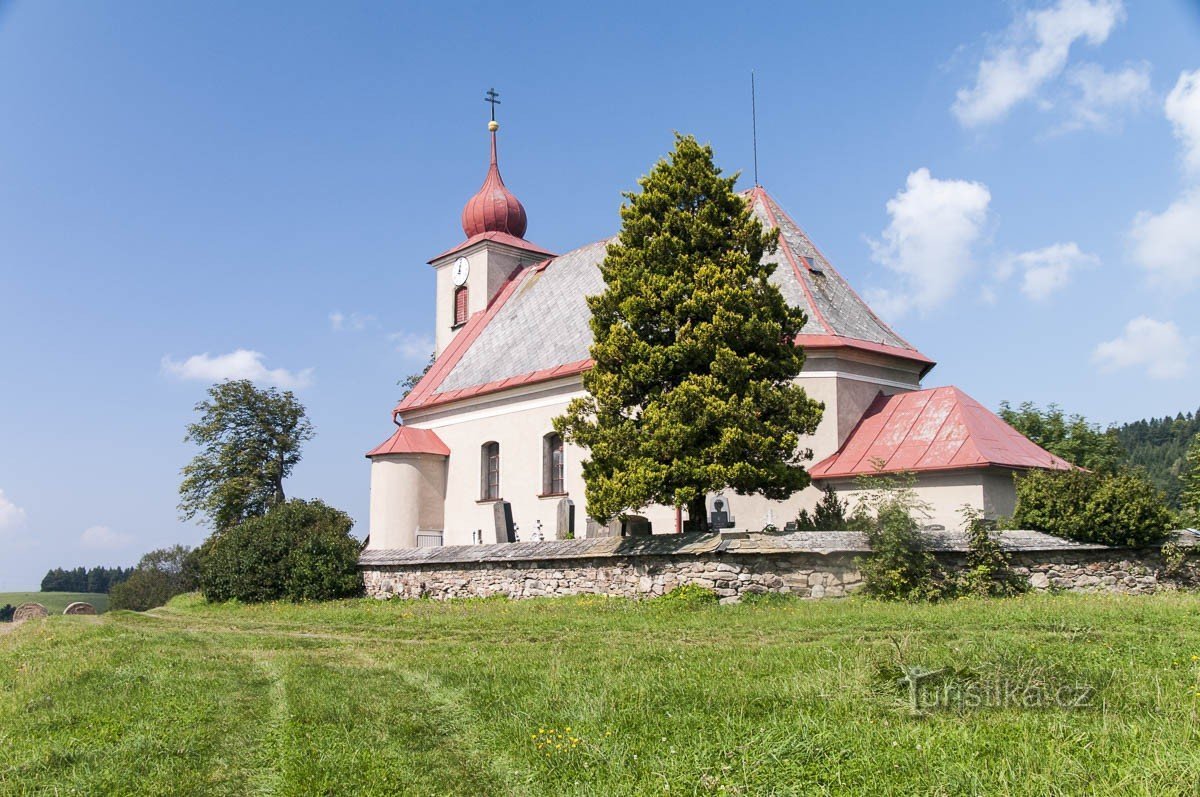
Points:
x=733, y=571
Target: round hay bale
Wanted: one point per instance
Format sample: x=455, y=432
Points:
x=79, y=607
x=29, y=611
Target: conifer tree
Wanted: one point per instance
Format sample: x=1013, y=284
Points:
x=692, y=386
x=1190, y=478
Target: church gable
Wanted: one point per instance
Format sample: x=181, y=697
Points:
x=537, y=326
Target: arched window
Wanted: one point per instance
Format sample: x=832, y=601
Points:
x=460, y=305
x=489, y=472
x=552, y=465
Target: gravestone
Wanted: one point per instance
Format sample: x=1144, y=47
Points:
x=635, y=526
x=610, y=529
x=79, y=607
x=30, y=611
x=564, y=527
x=718, y=518
x=506, y=530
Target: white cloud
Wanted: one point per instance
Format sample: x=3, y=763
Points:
x=928, y=244
x=1167, y=244
x=11, y=515
x=352, y=322
x=239, y=364
x=1156, y=345
x=103, y=538
x=1046, y=271
x=1033, y=50
x=412, y=346
x=1183, y=110
x=1102, y=96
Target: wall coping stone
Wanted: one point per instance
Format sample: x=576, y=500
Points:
x=736, y=543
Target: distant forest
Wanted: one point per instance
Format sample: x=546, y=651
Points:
x=80, y=579
x=1159, y=446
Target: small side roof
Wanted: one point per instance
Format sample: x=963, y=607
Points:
x=408, y=440
x=928, y=430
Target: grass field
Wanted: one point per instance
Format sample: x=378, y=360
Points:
x=607, y=696
x=55, y=601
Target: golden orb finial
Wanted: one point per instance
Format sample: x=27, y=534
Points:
x=493, y=125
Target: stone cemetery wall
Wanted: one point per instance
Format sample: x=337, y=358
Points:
x=810, y=565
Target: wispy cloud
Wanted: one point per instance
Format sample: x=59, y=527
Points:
x=102, y=538
x=1157, y=346
x=238, y=364
x=928, y=244
x=1045, y=271
x=12, y=517
x=1102, y=97
x=1033, y=50
x=350, y=322
x=411, y=345
x=1183, y=110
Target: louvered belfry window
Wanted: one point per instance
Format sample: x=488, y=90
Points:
x=460, y=305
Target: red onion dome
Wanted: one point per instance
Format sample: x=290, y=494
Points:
x=494, y=208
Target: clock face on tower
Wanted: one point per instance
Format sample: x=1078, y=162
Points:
x=461, y=270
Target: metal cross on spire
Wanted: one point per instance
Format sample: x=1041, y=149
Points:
x=494, y=98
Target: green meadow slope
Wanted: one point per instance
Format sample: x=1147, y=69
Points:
x=1033, y=696
x=56, y=601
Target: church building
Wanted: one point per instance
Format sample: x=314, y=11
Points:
x=475, y=457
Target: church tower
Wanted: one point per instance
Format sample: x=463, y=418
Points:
x=471, y=274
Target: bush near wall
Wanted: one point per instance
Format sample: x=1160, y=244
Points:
x=1122, y=508
x=299, y=550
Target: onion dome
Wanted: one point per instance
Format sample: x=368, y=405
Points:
x=494, y=208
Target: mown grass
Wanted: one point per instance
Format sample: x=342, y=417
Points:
x=600, y=696
x=55, y=602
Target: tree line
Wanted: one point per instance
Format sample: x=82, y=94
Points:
x=84, y=579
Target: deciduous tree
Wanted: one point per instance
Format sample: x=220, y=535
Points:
x=250, y=439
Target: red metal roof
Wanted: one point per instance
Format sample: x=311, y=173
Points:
x=498, y=237
x=408, y=440
x=940, y=428
x=494, y=208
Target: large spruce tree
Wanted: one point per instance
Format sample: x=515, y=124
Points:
x=1190, y=478
x=692, y=386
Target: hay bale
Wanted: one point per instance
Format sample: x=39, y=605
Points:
x=30, y=611
x=79, y=607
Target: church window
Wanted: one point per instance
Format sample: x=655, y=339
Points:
x=490, y=472
x=460, y=305
x=553, y=482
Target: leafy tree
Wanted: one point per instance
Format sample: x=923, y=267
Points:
x=1190, y=480
x=1071, y=437
x=250, y=439
x=1121, y=508
x=409, y=382
x=299, y=550
x=692, y=386
x=828, y=515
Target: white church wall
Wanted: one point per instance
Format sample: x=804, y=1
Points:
x=945, y=492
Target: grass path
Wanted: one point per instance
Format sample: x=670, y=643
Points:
x=600, y=696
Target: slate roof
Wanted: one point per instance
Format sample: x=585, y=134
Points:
x=935, y=429
x=536, y=328
x=814, y=542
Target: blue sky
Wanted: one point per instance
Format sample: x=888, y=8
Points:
x=205, y=189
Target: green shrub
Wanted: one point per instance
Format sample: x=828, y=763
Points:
x=1122, y=508
x=828, y=515
x=6, y=613
x=988, y=570
x=899, y=567
x=159, y=576
x=299, y=550
x=689, y=596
